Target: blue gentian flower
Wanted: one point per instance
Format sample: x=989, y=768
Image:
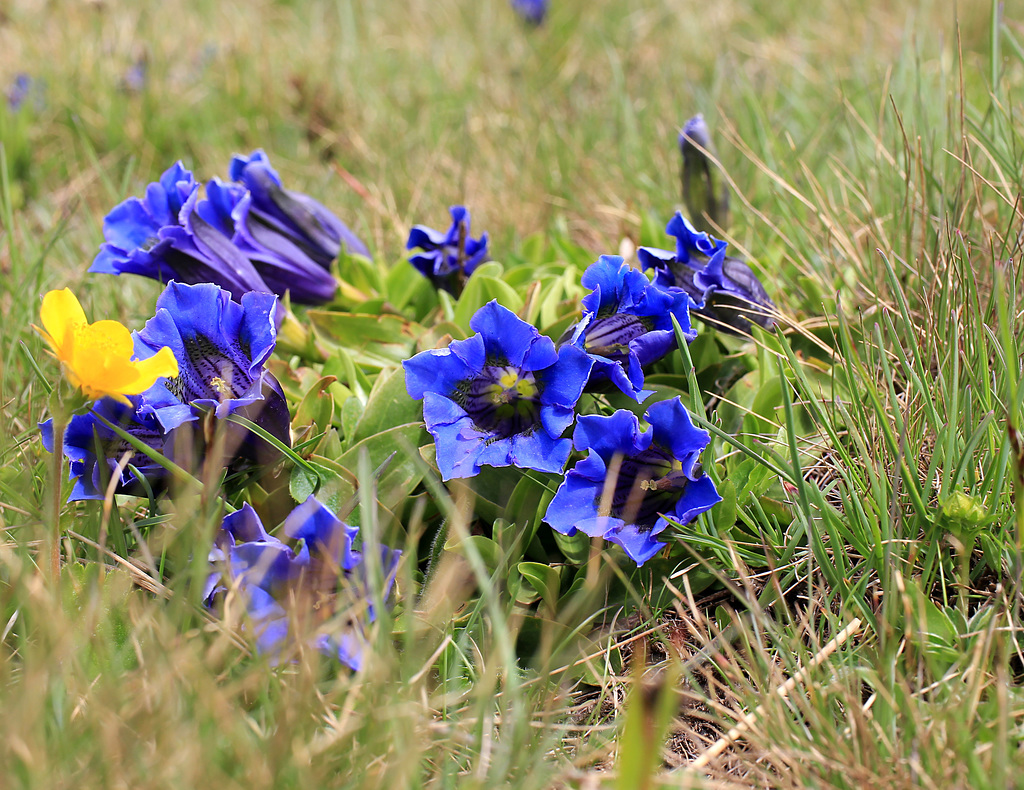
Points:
x=94, y=450
x=704, y=192
x=447, y=259
x=627, y=323
x=726, y=291
x=657, y=477
x=532, y=11
x=283, y=265
x=18, y=91
x=221, y=347
x=273, y=214
x=134, y=80
x=162, y=237
x=502, y=397
x=325, y=574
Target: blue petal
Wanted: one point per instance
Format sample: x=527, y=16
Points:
x=617, y=433
x=456, y=438
x=674, y=430
x=699, y=497
x=537, y=450
x=563, y=382
x=639, y=545
x=439, y=370
x=578, y=497
x=323, y=531
x=424, y=238
x=503, y=331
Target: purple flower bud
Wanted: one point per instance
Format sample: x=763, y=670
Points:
x=705, y=194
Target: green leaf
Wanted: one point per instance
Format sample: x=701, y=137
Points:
x=575, y=549
x=302, y=483
x=389, y=404
x=316, y=407
x=481, y=289
x=388, y=336
x=404, y=472
x=544, y=579
x=488, y=550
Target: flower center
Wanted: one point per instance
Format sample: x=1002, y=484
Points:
x=502, y=400
x=610, y=336
x=208, y=372
x=648, y=484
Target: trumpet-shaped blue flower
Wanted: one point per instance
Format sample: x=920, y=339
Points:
x=502, y=397
x=162, y=237
x=447, y=259
x=281, y=263
x=633, y=481
x=324, y=579
x=627, y=323
x=726, y=290
x=94, y=450
x=272, y=215
x=221, y=347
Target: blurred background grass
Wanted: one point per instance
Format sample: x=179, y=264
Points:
x=840, y=124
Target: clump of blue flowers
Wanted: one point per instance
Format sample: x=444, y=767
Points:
x=447, y=259
x=319, y=588
x=249, y=235
x=633, y=483
x=503, y=397
x=221, y=348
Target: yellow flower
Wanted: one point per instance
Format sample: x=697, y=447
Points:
x=98, y=357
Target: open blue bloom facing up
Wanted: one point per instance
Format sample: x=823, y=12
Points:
x=727, y=292
x=323, y=583
x=447, y=259
x=271, y=214
x=221, y=348
x=650, y=475
x=502, y=397
x=627, y=323
x=94, y=450
x=532, y=11
x=162, y=237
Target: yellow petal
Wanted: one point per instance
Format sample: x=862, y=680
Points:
x=61, y=312
x=162, y=365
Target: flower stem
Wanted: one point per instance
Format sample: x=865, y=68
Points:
x=59, y=424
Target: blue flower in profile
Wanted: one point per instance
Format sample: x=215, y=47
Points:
x=502, y=397
x=162, y=237
x=627, y=323
x=271, y=214
x=94, y=450
x=282, y=264
x=704, y=192
x=726, y=291
x=322, y=585
x=221, y=347
x=646, y=477
x=532, y=11
x=447, y=259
